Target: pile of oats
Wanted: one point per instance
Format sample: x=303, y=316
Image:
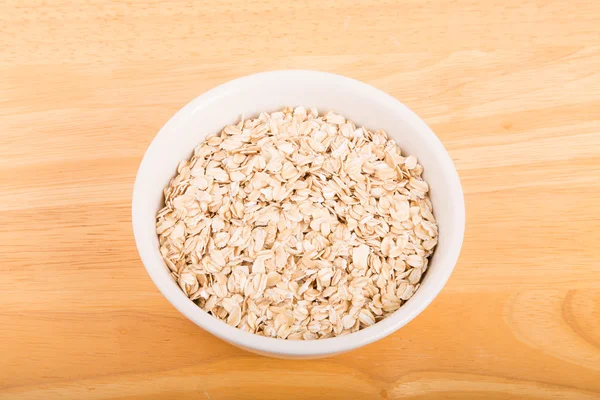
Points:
x=298, y=226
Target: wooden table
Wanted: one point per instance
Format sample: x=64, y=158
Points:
x=512, y=88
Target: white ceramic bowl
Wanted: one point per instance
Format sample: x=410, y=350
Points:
x=270, y=91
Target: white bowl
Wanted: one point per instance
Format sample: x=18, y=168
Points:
x=271, y=91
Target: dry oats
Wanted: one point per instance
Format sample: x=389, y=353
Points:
x=298, y=226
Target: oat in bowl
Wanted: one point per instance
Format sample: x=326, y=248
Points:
x=296, y=225
x=276, y=257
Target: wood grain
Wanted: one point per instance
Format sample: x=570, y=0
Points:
x=512, y=87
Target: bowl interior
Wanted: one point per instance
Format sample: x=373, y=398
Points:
x=245, y=97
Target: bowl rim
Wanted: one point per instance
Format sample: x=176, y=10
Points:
x=283, y=347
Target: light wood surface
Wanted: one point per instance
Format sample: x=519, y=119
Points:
x=512, y=88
